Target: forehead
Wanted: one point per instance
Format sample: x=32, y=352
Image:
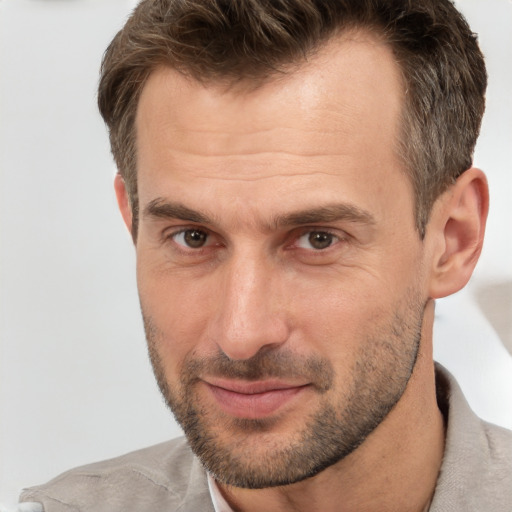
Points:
x=353, y=75
x=334, y=117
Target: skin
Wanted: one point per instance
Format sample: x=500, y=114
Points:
x=239, y=165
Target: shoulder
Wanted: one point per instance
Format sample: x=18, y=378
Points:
x=498, y=451
x=488, y=470
x=476, y=473
x=166, y=476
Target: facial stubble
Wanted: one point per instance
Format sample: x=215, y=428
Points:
x=252, y=455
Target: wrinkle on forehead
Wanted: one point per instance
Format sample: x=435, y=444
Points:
x=253, y=177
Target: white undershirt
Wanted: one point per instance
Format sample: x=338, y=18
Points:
x=219, y=502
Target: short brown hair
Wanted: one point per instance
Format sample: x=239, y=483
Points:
x=233, y=40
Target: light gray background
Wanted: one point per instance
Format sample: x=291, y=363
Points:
x=75, y=383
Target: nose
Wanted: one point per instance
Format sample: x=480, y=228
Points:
x=251, y=313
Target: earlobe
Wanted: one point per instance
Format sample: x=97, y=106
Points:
x=458, y=223
x=123, y=201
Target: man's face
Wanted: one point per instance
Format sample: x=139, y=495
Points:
x=280, y=274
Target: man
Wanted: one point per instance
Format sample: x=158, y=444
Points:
x=297, y=180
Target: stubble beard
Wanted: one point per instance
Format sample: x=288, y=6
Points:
x=245, y=453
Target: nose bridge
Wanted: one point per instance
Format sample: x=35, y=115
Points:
x=250, y=314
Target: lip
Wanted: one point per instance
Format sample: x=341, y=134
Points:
x=253, y=400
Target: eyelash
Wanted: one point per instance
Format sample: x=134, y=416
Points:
x=183, y=248
x=309, y=231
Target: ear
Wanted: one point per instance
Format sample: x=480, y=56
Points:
x=123, y=201
x=457, y=227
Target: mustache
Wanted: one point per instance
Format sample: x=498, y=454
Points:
x=263, y=365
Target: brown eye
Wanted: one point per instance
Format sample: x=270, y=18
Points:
x=317, y=240
x=320, y=239
x=195, y=238
x=191, y=238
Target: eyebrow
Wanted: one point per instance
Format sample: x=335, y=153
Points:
x=161, y=208
x=329, y=213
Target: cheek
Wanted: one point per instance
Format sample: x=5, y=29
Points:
x=178, y=309
x=337, y=319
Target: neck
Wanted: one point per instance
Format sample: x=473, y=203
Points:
x=394, y=470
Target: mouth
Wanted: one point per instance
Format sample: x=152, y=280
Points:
x=253, y=400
